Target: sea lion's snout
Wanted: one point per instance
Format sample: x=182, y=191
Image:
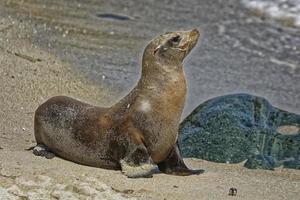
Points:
x=194, y=33
x=190, y=40
x=194, y=36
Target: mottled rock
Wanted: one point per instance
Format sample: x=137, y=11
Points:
x=238, y=127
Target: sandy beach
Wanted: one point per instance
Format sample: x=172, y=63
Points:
x=30, y=75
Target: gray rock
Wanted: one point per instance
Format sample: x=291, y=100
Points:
x=238, y=127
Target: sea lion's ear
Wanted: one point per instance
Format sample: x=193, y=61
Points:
x=160, y=48
x=156, y=49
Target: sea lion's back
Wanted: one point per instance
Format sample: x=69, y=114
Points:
x=60, y=111
x=70, y=129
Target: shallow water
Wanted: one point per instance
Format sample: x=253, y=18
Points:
x=238, y=51
x=287, y=11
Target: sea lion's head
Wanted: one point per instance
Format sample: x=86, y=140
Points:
x=171, y=48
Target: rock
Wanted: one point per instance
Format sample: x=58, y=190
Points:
x=238, y=127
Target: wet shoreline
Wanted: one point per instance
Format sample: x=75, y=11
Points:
x=238, y=52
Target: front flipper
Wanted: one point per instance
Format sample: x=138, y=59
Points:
x=43, y=150
x=138, y=164
x=174, y=165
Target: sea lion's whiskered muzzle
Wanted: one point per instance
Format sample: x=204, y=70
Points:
x=171, y=48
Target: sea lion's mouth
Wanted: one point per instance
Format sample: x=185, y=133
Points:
x=184, y=47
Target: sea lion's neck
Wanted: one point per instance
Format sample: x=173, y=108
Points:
x=156, y=79
x=160, y=89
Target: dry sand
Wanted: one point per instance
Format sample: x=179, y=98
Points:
x=29, y=76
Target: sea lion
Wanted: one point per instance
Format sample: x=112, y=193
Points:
x=137, y=132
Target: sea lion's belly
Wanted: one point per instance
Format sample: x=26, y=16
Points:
x=71, y=130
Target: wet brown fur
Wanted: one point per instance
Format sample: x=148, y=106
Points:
x=141, y=128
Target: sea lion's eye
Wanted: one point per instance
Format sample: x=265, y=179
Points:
x=176, y=39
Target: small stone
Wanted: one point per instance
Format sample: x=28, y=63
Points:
x=232, y=192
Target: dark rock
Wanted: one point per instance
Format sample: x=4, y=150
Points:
x=238, y=127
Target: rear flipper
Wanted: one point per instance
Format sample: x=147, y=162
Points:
x=174, y=165
x=138, y=164
x=42, y=150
